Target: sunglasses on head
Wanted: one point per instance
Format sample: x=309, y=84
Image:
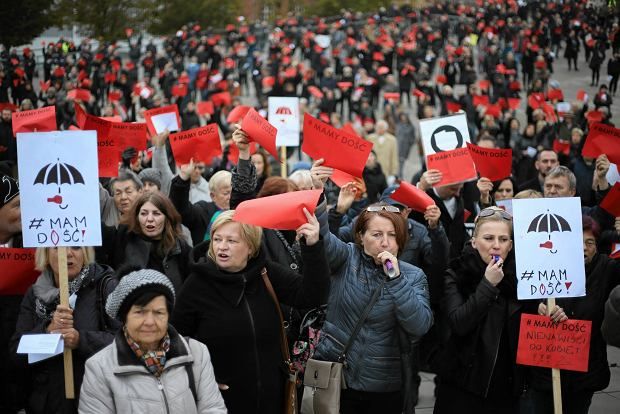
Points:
x=386, y=207
x=489, y=211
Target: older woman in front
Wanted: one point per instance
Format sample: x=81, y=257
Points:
x=225, y=304
x=84, y=326
x=149, y=368
x=372, y=365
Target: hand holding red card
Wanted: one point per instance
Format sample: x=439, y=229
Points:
x=492, y=163
x=456, y=166
x=199, y=144
x=280, y=212
x=258, y=129
x=18, y=272
x=160, y=119
x=412, y=197
x=603, y=139
x=237, y=114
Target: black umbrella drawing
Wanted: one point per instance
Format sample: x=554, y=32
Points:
x=58, y=173
x=548, y=223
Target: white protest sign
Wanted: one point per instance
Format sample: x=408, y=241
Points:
x=59, y=188
x=166, y=120
x=444, y=133
x=549, y=248
x=323, y=40
x=40, y=346
x=284, y=115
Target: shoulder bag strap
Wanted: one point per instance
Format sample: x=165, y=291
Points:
x=361, y=320
x=283, y=340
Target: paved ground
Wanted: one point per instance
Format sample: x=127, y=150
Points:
x=604, y=402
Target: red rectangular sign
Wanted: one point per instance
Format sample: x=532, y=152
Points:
x=611, y=202
x=148, y=117
x=603, y=139
x=261, y=131
x=456, y=166
x=18, y=272
x=339, y=149
x=36, y=120
x=492, y=163
x=201, y=144
x=543, y=343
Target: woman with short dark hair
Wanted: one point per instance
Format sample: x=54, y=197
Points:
x=149, y=366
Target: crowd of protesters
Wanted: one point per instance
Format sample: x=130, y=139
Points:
x=172, y=251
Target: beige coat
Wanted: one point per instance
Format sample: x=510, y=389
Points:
x=117, y=382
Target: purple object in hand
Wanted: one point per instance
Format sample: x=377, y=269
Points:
x=391, y=272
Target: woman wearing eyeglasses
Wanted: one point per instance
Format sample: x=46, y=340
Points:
x=372, y=363
x=477, y=368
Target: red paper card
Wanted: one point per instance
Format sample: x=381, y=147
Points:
x=392, y=96
x=18, y=272
x=280, y=212
x=237, y=113
x=594, y=116
x=412, y=197
x=480, y=100
x=484, y=84
x=205, y=107
x=453, y=107
x=456, y=166
x=36, y=120
x=221, y=99
x=129, y=134
x=233, y=154
x=603, y=139
x=418, y=93
x=81, y=94
x=261, y=131
x=556, y=94
x=9, y=106
x=201, y=144
x=316, y=92
x=345, y=85
x=179, y=90
x=158, y=119
x=492, y=163
x=561, y=147
x=339, y=149
x=611, y=202
x=564, y=346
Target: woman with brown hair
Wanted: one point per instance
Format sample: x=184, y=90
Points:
x=149, y=237
x=363, y=271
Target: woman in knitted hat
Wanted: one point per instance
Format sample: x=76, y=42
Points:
x=149, y=366
x=83, y=324
x=149, y=238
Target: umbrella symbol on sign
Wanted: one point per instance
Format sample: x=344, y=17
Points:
x=58, y=173
x=548, y=223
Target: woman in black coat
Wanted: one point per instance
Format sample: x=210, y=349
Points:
x=149, y=238
x=477, y=367
x=84, y=325
x=602, y=275
x=225, y=304
x=572, y=50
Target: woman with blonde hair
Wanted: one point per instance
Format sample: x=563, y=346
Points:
x=83, y=324
x=226, y=304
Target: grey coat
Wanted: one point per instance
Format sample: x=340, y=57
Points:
x=117, y=382
x=373, y=360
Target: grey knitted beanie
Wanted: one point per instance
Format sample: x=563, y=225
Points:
x=136, y=282
x=151, y=174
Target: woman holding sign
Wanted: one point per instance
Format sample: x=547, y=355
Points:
x=477, y=367
x=602, y=275
x=83, y=325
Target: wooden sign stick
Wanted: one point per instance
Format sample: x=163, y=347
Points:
x=64, y=300
x=555, y=372
x=283, y=162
